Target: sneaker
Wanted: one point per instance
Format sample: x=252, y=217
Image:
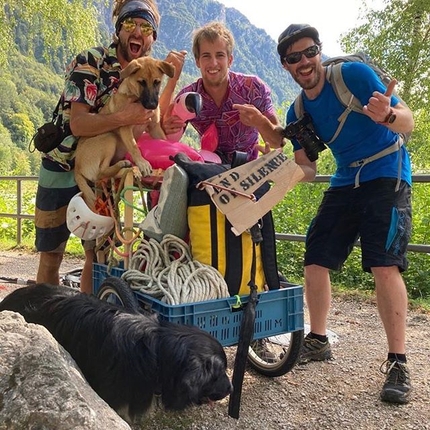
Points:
x=314, y=350
x=260, y=348
x=397, y=386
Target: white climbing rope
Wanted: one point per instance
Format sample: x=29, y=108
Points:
x=167, y=271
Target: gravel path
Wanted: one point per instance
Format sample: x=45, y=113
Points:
x=23, y=265
x=340, y=394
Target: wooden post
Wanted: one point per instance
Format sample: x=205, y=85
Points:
x=128, y=214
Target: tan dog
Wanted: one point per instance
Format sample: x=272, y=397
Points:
x=102, y=156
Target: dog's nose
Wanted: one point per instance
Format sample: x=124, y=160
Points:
x=148, y=104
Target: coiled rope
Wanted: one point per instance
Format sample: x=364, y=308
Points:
x=166, y=271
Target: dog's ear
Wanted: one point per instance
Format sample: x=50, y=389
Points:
x=167, y=68
x=131, y=68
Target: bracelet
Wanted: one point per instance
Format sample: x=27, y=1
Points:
x=389, y=119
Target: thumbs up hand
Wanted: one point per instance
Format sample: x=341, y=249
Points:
x=390, y=88
x=378, y=108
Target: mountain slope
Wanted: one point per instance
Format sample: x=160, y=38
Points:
x=254, y=53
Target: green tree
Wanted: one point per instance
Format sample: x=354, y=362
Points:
x=398, y=38
x=419, y=145
x=22, y=129
x=29, y=91
x=9, y=96
x=6, y=151
x=54, y=25
x=21, y=163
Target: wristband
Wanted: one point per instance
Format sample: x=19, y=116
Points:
x=389, y=119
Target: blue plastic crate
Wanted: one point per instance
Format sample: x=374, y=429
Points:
x=101, y=272
x=277, y=311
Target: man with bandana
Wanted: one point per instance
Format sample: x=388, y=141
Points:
x=90, y=79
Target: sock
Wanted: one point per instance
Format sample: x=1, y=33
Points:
x=401, y=358
x=320, y=337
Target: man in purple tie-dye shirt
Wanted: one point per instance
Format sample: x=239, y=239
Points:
x=238, y=106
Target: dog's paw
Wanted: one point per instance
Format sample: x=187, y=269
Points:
x=144, y=167
x=136, y=172
x=126, y=163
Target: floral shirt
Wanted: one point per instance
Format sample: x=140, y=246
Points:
x=90, y=78
x=232, y=134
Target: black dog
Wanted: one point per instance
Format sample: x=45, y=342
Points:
x=127, y=358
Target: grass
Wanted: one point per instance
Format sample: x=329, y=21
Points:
x=420, y=305
x=74, y=247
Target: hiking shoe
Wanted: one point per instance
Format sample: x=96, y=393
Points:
x=397, y=386
x=260, y=348
x=314, y=350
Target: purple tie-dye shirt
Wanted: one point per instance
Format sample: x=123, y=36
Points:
x=232, y=134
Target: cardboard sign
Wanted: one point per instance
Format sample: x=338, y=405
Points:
x=232, y=191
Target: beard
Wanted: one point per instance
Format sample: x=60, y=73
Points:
x=307, y=84
x=128, y=55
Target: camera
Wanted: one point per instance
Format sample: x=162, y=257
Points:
x=302, y=130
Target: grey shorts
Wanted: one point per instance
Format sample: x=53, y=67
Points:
x=374, y=213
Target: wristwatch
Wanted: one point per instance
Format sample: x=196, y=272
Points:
x=389, y=119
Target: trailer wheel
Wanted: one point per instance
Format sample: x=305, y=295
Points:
x=117, y=291
x=275, y=355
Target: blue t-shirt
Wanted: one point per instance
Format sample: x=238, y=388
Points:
x=360, y=136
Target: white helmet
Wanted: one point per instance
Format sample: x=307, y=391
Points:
x=83, y=222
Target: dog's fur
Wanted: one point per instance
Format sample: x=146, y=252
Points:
x=126, y=357
x=102, y=156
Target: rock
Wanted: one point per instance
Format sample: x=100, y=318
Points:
x=41, y=386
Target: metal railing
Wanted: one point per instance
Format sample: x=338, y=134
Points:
x=326, y=178
x=19, y=216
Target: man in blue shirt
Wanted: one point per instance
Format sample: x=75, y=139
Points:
x=368, y=198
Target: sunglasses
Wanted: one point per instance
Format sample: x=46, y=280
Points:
x=130, y=25
x=295, y=57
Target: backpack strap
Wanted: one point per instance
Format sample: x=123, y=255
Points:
x=57, y=109
x=344, y=95
x=392, y=148
x=299, y=109
x=268, y=252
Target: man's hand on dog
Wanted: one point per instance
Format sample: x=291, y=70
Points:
x=135, y=114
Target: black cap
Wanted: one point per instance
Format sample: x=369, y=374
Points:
x=293, y=33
